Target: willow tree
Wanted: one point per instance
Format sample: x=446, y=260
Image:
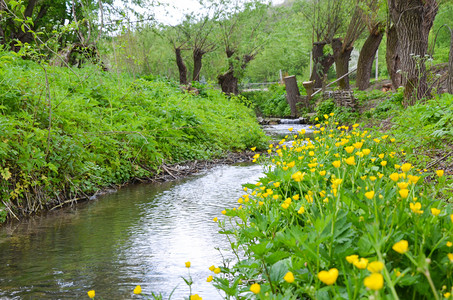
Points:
x=374, y=20
x=244, y=30
x=412, y=21
x=325, y=17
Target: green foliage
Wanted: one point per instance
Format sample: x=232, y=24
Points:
x=333, y=211
x=103, y=129
x=270, y=103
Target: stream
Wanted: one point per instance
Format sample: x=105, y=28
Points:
x=141, y=235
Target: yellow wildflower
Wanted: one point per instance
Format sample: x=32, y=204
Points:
x=440, y=173
x=358, y=145
x=404, y=193
x=255, y=288
x=216, y=270
x=328, y=277
x=352, y=258
x=138, y=290
x=349, y=149
x=336, y=164
x=406, y=167
x=415, y=207
x=215, y=219
x=401, y=246
x=369, y=194
x=187, y=264
x=403, y=185
x=210, y=278
x=301, y=210
x=361, y=263
x=350, y=161
x=450, y=256
x=253, y=148
x=276, y=184
x=394, y=177
x=91, y=294
x=383, y=163
x=212, y=268
x=374, y=282
x=435, y=211
x=375, y=266
x=366, y=151
x=195, y=297
x=449, y=244
x=296, y=197
x=289, y=277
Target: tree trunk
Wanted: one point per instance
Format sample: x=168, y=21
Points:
x=181, y=67
x=292, y=94
x=197, y=63
x=228, y=82
x=413, y=21
x=321, y=63
x=366, y=57
x=392, y=58
x=342, y=55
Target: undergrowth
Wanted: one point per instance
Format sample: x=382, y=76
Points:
x=87, y=129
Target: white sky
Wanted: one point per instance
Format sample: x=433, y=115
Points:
x=174, y=11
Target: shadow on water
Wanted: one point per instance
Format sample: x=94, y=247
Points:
x=142, y=234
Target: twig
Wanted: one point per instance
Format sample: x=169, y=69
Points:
x=10, y=210
x=433, y=163
x=68, y=201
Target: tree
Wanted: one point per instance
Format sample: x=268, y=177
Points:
x=325, y=18
x=179, y=37
x=244, y=32
x=375, y=25
x=412, y=21
x=342, y=48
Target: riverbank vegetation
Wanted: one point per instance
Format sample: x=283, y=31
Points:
x=342, y=215
x=89, y=129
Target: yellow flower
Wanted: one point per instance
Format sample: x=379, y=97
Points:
x=358, y=145
x=289, y=277
x=216, y=271
x=349, y=149
x=195, y=297
x=366, y=151
x=440, y=173
x=413, y=179
x=374, y=282
x=449, y=244
x=361, y=263
x=253, y=148
x=383, y=163
x=406, y=167
x=394, y=177
x=435, y=211
x=401, y=246
x=223, y=212
x=91, y=294
x=296, y=197
x=350, y=161
x=369, y=195
x=336, y=164
x=375, y=266
x=415, y=207
x=210, y=278
x=450, y=256
x=404, y=193
x=447, y=295
x=301, y=210
x=187, y=264
x=402, y=185
x=291, y=164
x=290, y=129
x=352, y=258
x=276, y=184
x=138, y=290
x=255, y=288
x=322, y=173
x=328, y=277
x=211, y=268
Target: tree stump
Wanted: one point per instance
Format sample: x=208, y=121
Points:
x=292, y=94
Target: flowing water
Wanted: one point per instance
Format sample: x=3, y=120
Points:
x=142, y=234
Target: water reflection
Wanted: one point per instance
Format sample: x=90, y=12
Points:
x=141, y=235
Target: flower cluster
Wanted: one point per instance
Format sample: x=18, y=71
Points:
x=342, y=212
